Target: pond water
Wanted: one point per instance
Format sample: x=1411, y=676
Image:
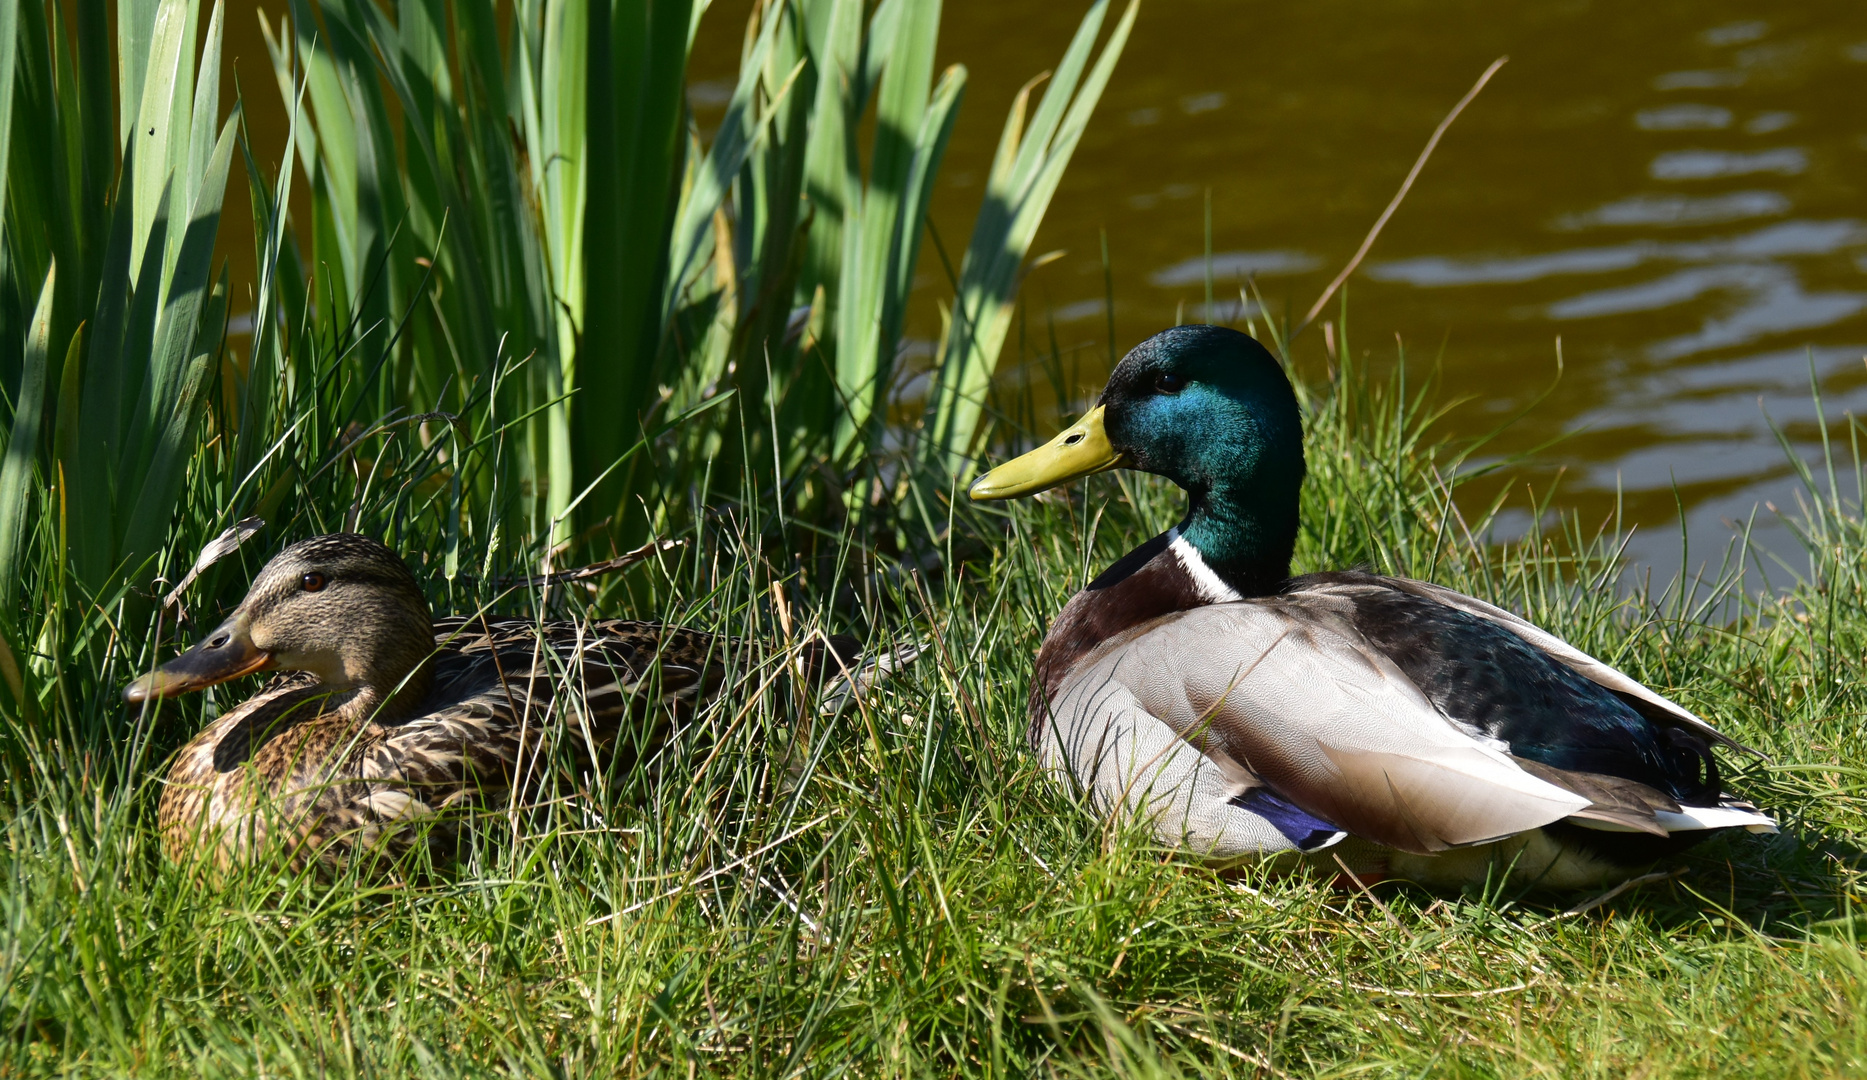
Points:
x=1674, y=189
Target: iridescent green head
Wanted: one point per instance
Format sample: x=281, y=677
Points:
x=1210, y=409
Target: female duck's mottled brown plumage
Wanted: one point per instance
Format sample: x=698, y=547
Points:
x=389, y=719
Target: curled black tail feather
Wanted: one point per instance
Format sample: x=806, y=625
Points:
x=1696, y=777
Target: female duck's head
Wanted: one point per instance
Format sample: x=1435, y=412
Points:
x=1209, y=409
x=342, y=607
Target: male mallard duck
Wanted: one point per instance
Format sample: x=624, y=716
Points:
x=1244, y=712
x=390, y=717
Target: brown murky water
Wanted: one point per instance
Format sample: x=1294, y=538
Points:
x=1675, y=189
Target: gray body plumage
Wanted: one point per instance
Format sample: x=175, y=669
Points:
x=1180, y=720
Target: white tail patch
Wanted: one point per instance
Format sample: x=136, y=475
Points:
x=1692, y=818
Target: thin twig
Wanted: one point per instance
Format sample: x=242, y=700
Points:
x=607, y=566
x=1394, y=205
x=1367, y=892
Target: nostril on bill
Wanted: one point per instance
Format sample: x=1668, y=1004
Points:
x=218, y=642
x=1074, y=438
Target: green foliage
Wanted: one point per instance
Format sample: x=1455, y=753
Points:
x=1025, y=173
x=640, y=272
x=114, y=366
x=480, y=347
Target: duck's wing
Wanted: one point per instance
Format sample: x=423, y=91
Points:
x=1130, y=764
x=624, y=667
x=619, y=668
x=1642, y=699
x=1287, y=697
x=499, y=705
x=1561, y=714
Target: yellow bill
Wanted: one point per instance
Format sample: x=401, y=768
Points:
x=1080, y=449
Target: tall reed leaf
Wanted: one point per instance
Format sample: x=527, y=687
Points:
x=9, y=44
x=1025, y=173
x=128, y=393
x=881, y=227
x=18, y=487
x=636, y=72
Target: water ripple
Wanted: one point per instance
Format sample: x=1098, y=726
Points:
x=1683, y=118
x=1782, y=240
x=1711, y=164
x=1234, y=264
x=1679, y=210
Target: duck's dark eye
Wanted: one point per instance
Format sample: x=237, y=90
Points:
x=312, y=582
x=1169, y=383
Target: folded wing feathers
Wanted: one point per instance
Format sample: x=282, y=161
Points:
x=1586, y=665
x=1331, y=725
x=1612, y=800
x=1290, y=695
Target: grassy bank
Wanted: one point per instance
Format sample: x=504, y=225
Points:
x=897, y=890
x=891, y=889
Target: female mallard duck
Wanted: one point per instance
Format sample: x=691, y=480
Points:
x=1243, y=712
x=390, y=717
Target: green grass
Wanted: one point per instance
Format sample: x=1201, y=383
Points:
x=895, y=889
x=898, y=890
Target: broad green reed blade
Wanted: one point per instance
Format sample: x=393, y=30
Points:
x=936, y=127
x=56, y=196
x=880, y=224
x=833, y=31
x=186, y=351
x=252, y=420
x=717, y=170
x=19, y=487
x=366, y=199
x=89, y=482
x=136, y=30
x=1025, y=173
x=161, y=134
x=637, y=71
x=552, y=61
x=202, y=140
x=9, y=46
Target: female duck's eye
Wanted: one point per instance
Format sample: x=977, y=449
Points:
x=1169, y=383
x=312, y=582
